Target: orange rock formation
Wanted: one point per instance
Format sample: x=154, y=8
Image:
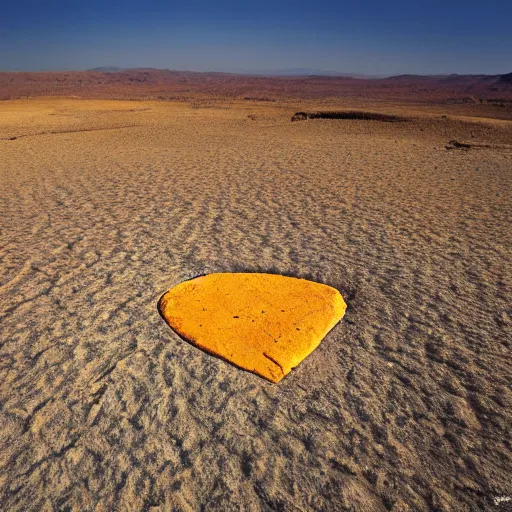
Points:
x=264, y=323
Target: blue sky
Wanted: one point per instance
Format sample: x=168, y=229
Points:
x=366, y=37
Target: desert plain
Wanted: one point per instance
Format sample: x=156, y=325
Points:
x=106, y=204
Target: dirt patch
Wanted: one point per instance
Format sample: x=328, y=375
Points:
x=454, y=144
x=57, y=132
x=351, y=114
x=259, y=98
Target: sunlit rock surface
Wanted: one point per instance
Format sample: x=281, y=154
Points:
x=264, y=323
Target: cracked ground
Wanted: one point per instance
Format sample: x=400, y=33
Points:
x=105, y=205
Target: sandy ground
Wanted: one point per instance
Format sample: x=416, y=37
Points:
x=104, y=205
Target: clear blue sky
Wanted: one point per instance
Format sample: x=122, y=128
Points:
x=368, y=36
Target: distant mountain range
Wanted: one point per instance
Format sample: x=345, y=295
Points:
x=506, y=79
x=116, y=82
x=107, y=69
x=280, y=72
x=310, y=72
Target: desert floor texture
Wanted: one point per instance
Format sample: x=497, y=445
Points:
x=105, y=205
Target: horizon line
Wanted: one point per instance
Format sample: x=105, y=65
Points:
x=292, y=72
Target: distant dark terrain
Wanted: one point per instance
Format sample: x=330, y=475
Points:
x=114, y=83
